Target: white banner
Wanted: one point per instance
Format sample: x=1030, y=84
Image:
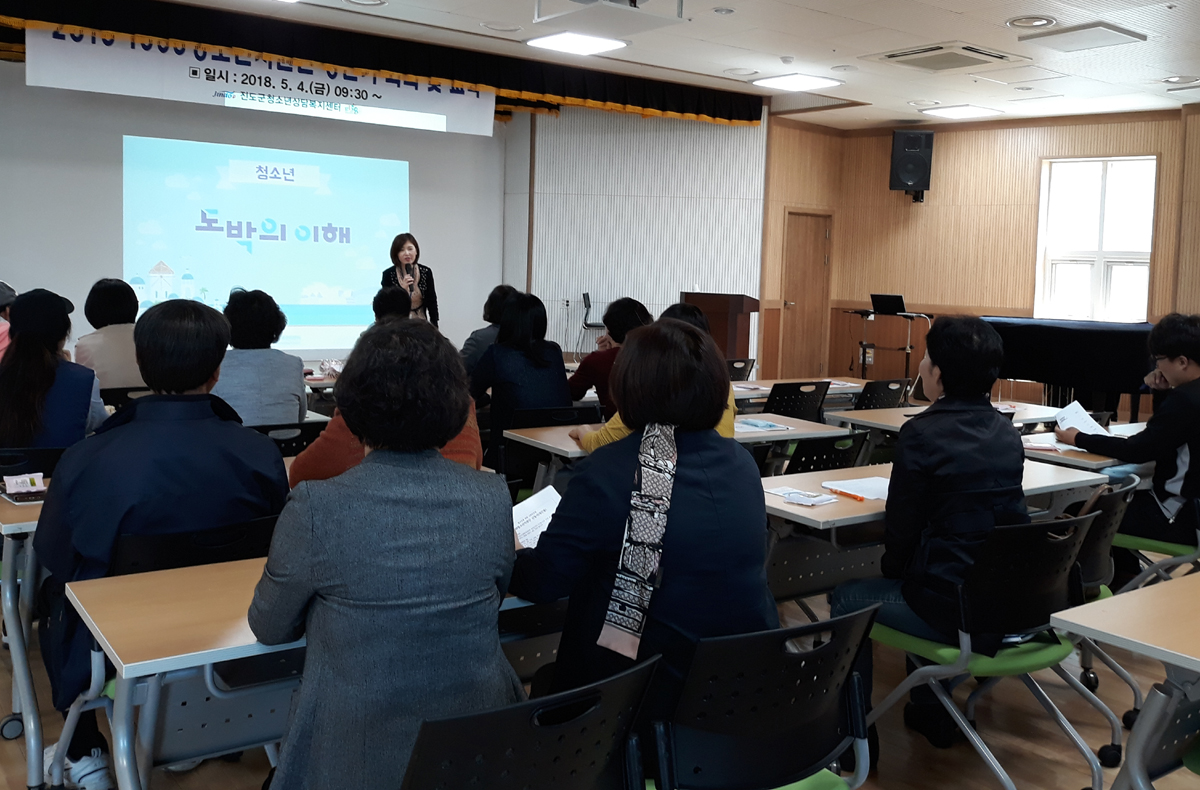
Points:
x=177, y=73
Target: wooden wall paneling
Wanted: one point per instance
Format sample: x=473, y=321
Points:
x=770, y=319
x=886, y=332
x=1188, y=293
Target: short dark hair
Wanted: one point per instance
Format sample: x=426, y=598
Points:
x=523, y=327
x=403, y=387
x=623, y=315
x=493, y=308
x=110, y=302
x=968, y=351
x=391, y=302
x=399, y=242
x=255, y=321
x=688, y=313
x=1176, y=335
x=179, y=345
x=672, y=373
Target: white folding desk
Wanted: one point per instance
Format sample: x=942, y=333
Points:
x=17, y=523
x=754, y=390
x=1080, y=459
x=796, y=429
x=890, y=420
x=149, y=624
x=1159, y=622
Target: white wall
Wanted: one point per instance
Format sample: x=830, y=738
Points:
x=60, y=186
x=642, y=207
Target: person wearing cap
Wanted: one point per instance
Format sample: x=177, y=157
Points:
x=111, y=308
x=7, y=295
x=45, y=401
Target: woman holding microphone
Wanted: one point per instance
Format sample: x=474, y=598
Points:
x=416, y=278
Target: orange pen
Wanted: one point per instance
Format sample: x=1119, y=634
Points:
x=847, y=493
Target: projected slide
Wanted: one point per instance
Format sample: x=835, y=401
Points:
x=312, y=230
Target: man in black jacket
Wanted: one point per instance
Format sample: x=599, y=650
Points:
x=1171, y=438
x=956, y=475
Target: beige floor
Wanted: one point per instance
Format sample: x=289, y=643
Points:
x=1035, y=752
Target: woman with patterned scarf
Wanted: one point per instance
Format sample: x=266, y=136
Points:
x=661, y=537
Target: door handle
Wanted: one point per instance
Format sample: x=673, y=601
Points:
x=788, y=304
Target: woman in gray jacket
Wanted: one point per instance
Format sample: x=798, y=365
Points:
x=393, y=570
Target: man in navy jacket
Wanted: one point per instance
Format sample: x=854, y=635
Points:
x=175, y=461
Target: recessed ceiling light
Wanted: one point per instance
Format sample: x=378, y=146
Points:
x=741, y=72
x=961, y=111
x=1027, y=22
x=797, y=82
x=924, y=103
x=723, y=11
x=499, y=27
x=366, y=2
x=844, y=68
x=576, y=43
x=1023, y=88
x=1181, y=80
x=1082, y=37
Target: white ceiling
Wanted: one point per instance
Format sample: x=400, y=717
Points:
x=822, y=34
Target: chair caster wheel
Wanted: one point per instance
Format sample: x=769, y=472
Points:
x=1110, y=755
x=1130, y=718
x=1090, y=680
x=11, y=727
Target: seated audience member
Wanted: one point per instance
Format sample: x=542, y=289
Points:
x=594, y=371
x=1171, y=439
x=111, y=308
x=7, y=295
x=481, y=339
x=522, y=369
x=391, y=303
x=175, y=461
x=265, y=386
x=45, y=401
x=956, y=476
x=671, y=386
x=394, y=571
x=590, y=439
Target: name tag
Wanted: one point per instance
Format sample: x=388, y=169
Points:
x=24, y=484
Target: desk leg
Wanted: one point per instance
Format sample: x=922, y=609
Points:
x=546, y=473
x=124, y=760
x=146, y=724
x=20, y=661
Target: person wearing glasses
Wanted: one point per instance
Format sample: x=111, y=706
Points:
x=1171, y=438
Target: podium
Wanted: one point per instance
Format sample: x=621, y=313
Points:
x=728, y=317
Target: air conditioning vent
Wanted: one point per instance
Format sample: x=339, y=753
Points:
x=948, y=56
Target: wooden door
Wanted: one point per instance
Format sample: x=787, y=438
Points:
x=804, y=329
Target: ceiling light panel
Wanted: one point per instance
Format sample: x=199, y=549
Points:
x=1019, y=74
x=1083, y=37
x=962, y=112
x=576, y=43
x=797, y=82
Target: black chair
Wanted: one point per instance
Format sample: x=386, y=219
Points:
x=739, y=369
x=801, y=400
x=1178, y=745
x=586, y=325
x=529, y=636
x=826, y=452
x=576, y=740
x=801, y=566
x=884, y=394
x=29, y=460
x=159, y=551
x=292, y=438
x=519, y=462
x=120, y=397
x=768, y=709
x=544, y=418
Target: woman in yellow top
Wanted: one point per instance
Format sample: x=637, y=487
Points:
x=615, y=430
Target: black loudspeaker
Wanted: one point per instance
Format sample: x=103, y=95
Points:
x=912, y=159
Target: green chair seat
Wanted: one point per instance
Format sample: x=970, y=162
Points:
x=825, y=780
x=1016, y=660
x=1134, y=543
x=110, y=689
x=1191, y=760
x=1104, y=593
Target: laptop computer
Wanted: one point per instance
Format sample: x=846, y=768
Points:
x=888, y=304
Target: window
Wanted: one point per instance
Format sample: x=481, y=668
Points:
x=1097, y=221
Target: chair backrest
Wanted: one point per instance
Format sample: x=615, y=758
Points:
x=757, y=710
x=29, y=460
x=1102, y=417
x=587, y=313
x=739, y=369
x=800, y=566
x=1023, y=573
x=1180, y=738
x=826, y=452
x=291, y=438
x=120, y=397
x=884, y=394
x=1095, y=555
x=545, y=418
x=158, y=552
x=569, y=741
x=916, y=394
x=801, y=400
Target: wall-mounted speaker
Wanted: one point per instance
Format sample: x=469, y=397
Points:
x=912, y=159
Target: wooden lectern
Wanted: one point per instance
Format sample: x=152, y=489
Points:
x=729, y=318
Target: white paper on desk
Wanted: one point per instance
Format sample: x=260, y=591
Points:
x=748, y=387
x=865, y=487
x=531, y=517
x=757, y=426
x=835, y=384
x=1074, y=416
x=1044, y=441
x=809, y=500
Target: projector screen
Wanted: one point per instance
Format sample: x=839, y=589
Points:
x=312, y=230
